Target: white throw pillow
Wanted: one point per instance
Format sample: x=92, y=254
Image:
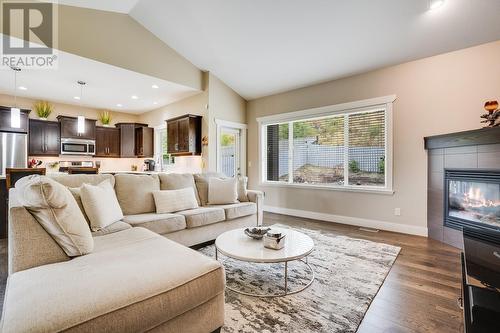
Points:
x=56, y=210
x=169, y=201
x=222, y=191
x=242, y=189
x=100, y=204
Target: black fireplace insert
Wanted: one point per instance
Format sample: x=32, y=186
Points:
x=472, y=199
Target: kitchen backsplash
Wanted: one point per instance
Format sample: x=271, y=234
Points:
x=107, y=164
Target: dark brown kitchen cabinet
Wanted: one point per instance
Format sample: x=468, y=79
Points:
x=127, y=139
x=44, y=138
x=107, y=141
x=69, y=128
x=144, y=141
x=184, y=135
x=136, y=140
x=5, y=120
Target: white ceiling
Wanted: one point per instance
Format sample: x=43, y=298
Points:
x=119, y=6
x=106, y=85
x=261, y=47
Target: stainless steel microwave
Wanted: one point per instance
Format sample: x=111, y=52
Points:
x=77, y=147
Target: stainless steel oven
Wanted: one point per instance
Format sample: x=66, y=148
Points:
x=77, y=147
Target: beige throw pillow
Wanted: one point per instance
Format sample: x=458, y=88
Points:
x=201, y=181
x=53, y=206
x=169, y=201
x=177, y=181
x=101, y=205
x=76, y=192
x=242, y=189
x=222, y=191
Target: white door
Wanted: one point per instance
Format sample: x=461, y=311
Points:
x=229, y=151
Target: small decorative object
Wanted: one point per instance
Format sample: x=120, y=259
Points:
x=204, y=141
x=492, y=118
x=105, y=118
x=256, y=233
x=53, y=165
x=43, y=109
x=33, y=163
x=134, y=167
x=274, y=240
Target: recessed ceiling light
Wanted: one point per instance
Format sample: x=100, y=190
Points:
x=23, y=88
x=134, y=97
x=154, y=86
x=154, y=103
x=76, y=97
x=435, y=4
x=119, y=105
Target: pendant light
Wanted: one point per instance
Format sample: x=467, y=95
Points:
x=15, y=112
x=81, y=119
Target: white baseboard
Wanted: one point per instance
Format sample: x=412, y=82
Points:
x=389, y=226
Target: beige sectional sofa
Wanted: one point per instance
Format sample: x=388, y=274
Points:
x=140, y=276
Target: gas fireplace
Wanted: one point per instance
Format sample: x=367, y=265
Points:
x=472, y=199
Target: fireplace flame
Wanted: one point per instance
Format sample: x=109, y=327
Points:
x=475, y=198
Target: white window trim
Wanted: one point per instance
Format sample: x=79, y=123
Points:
x=157, y=145
x=367, y=105
x=243, y=142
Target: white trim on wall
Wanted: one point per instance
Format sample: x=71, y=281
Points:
x=327, y=110
x=356, y=221
x=243, y=142
x=367, y=105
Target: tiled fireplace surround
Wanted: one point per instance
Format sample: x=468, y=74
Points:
x=478, y=149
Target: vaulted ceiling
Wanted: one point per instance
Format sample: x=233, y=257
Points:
x=261, y=47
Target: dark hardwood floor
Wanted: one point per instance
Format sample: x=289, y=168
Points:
x=421, y=290
x=419, y=294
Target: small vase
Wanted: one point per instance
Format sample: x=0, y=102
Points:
x=42, y=118
x=106, y=125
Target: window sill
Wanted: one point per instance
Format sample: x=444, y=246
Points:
x=360, y=189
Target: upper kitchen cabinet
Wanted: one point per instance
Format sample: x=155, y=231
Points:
x=44, y=138
x=144, y=141
x=6, y=120
x=69, y=128
x=136, y=140
x=184, y=135
x=107, y=142
x=127, y=139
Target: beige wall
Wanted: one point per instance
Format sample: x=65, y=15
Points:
x=67, y=110
x=196, y=105
x=224, y=104
x=118, y=40
x=435, y=95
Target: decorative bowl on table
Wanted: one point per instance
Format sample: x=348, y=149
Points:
x=256, y=232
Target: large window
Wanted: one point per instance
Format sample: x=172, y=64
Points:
x=329, y=147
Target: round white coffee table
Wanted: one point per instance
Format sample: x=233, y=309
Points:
x=236, y=245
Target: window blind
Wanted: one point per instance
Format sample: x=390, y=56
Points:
x=340, y=149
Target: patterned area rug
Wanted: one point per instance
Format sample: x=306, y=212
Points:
x=349, y=273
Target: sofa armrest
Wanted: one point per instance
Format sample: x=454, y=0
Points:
x=258, y=198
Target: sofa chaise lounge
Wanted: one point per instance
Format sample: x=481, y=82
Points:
x=140, y=276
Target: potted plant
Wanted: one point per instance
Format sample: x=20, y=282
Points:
x=43, y=109
x=105, y=118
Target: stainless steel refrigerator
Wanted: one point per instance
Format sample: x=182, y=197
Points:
x=13, y=151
